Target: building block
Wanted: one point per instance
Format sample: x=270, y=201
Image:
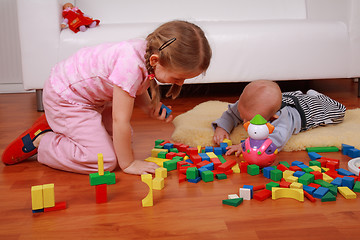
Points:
x=309, y=197
x=306, y=179
x=328, y=197
x=171, y=165
x=320, y=192
x=58, y=206
x=251, y=187
x=258, y=187
x=291, y=179
x=284, y=184
x=337, y=182
x=322, y=149
x=159, y=141
x=100, y=164
x=356, y=187
x=37, y=197
x=319, y=175
x=101, y=193
x=271, y=185
x=314, y=155
x=107, y=178
x=262, y=195
x=316, y=168
x=286, y=164
x=243, y=167
x=309, y=189
x=298, y=174
x=182, y=177
x=253, y=169
x=353, y=153
x=221, y=176
x=218, y=151
x=347, y=192
x=344, y=172
x=296, y=185
x=266, y=171
x=49, y=195
x=221, y=158
x=348, y=182
x=282, y=167
x=161, y=172
x=233, y=196
x=168, y=145
x=236, y=168
x=245, y=193
x=227, y=165
x=345, y=148
x=233, y=202
x=229, y=142
x=196, y=180
x=207, y=176
x=158, y=183
x=293, y=193
x=192, y=173
x=288, y=173
x=148, y=200
x=276, y=175
x=296, y=163
x=155, y=152
x=315, y=163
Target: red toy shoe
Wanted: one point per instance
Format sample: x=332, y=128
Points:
x=23, y=148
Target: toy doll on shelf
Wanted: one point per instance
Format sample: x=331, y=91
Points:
x=76, y=19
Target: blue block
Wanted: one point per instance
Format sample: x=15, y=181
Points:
x=320, y=192
x=314, y=155
x=337, y=182
x=345, y=148
x=353, y=153
x=298, y=173
x=209, y=149
x=204, y=157
x=348, y=182
x=296, y=163
x=168, y=146
x=344, y=172
x=209, y=166
x=189, y=161
x=196, y=180
x=266, y=171
x=302, y=166
x=202, y=169
x=168, y=110
x=251, y=187
x=38, y=210
x=218, y=151
x=223, y=148
x=309, y=189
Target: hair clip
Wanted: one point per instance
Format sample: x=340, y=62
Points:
x=167, y=43
x=151, y=76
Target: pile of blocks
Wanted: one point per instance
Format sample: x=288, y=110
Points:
x=193, y=164
x=43, y=199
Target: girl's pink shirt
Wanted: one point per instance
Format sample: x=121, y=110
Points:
x=88, y=76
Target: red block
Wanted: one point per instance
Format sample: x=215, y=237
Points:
x=295, y=168
x=190, y=151
x=183, y=147
x=216, y=162
x=195, y=158
x=308, y=196
x=101, y=193
x=333, y=173
x=183, y=169
x=202, y=163
x=322, y=162
x=284, y=184
x=227, y=165
x=228, y=172
x=314, y=185
x=282, y=167
x=58, y=206
x=259, y=187
x=180, y=164
x=262, y=195
x=164, y=142
x=243, y=167
x=317, y=175
x=181, y=154
x=170, y=155
x=182, y=177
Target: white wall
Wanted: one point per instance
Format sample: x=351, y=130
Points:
x=10, y=62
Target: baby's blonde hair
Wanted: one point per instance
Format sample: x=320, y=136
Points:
x=190, y=51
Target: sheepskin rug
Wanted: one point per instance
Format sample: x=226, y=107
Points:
x=194, y=128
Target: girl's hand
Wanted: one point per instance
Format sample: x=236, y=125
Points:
x=154, y=113
x=139, y=167
x=219, y=135
x=234, y=148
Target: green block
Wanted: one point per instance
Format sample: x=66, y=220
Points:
x=306, y=179
x=192, y=173
x=323, y=183
x=221, y=176
x=356, y=187
x=170, y=165
x=270, y=185
x=286, y=164
x=178, y=158
x=308, y=170
x=175, y=150
x=315, y=163
x=276, y=175
x=159, y=147
x=158, y=141
x=328, y=197
x=322, y=149
x=162, y=155
x=253, y=169
x=233, y=202
x=207, y=176
x=221, y=158
x=333, y=189
x=107, y=178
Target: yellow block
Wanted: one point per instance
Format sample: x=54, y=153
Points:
x=156, y=151
x=236, y=168
x=186, y=157
x=148, y=200
x=211, y=155
x=291, y=179
x=158, y=161
x=296, y=185
x=100, y=164
x=293, y=193
x=229, y=142
x=288, y=173
x=347, y=192
x=160, y=172
x=316, y=168
x=327, y=178
x=199, y=149
x=37, y=197
x=158, y=183
x=49, y=195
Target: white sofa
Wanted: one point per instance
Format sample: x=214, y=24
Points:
x=251, y=39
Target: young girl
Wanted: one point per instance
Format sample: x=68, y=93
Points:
x=89, y=99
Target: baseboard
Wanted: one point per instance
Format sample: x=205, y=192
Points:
x=13, y=88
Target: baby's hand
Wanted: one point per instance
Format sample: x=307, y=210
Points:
x=219, y=135
x=139, y=167
x=234, y=148
x=155, y=113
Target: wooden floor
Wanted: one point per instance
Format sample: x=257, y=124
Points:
x=180, y=211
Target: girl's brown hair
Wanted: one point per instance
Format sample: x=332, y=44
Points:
x=190, y=51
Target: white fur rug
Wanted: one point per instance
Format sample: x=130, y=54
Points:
x=194, y=128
